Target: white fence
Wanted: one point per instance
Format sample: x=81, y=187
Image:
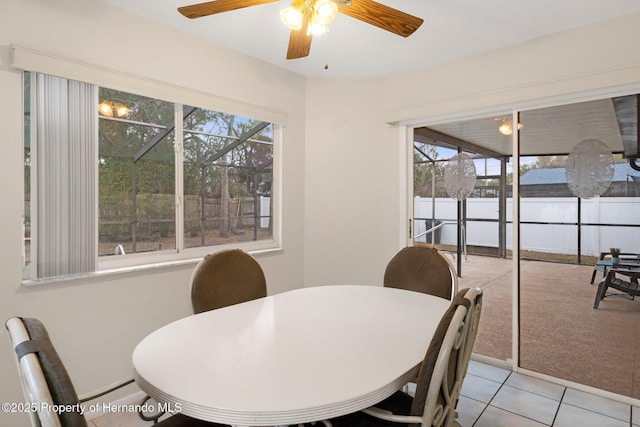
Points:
x=551, y=238
x=265, y=211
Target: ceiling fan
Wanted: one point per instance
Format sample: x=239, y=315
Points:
x=307, y=18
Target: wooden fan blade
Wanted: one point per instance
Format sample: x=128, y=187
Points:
x=299, y=44
x=212, y=7
x=300, y=41
x=382, y=16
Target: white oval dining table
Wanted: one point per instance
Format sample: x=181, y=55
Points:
x=298, y=356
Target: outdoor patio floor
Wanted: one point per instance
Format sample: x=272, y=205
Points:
x=562, y=335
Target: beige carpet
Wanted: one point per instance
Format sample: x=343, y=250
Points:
x=561, y=333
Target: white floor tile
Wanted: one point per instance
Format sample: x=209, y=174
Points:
x=469, y=410
x=536, y=385
x=598, y=404
x=479, y=388
x=527, y=404
x=496, y=417
x=571, y=416
x=489, y=372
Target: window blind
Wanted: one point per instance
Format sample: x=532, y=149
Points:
x=65, y=165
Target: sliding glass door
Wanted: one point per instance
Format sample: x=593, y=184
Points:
x=578, y=195
x=577, y=200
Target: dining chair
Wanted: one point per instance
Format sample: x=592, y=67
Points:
x=472, y=323
x=46, y=382
x=225, y=278
x=422, y=269
x=441, y=374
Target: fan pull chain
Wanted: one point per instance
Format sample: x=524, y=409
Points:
x=326, y=51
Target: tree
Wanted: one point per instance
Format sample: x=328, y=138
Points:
x=427, y=167
x=137, y=160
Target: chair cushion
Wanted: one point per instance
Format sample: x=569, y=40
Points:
x=226, y=278
x=430, y=359
x=420, y=269
x=56, y=375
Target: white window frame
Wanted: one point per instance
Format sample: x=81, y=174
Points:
x=181, y=254
x=34, y=61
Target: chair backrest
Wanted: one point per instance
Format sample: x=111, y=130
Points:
x=422, y=269
x=445, y=364
x=45, y=381
x=225, y=278
x=472, y=321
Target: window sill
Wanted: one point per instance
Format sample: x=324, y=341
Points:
x=135, y=263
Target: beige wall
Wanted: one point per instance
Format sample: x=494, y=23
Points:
x=351, y=174
x=343, y=177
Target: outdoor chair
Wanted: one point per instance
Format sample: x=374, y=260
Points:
x=627, y=284
x=225, y=278
x=605, y=262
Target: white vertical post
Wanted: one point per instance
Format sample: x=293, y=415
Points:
x=515, y=341
x=405, y=137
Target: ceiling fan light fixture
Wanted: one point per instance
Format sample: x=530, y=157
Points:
x=317, y=29
x=324, y=12
x=293, y=14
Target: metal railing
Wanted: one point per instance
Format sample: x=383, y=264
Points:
x=442, y=224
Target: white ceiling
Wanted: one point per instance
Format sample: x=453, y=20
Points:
x=451, y=29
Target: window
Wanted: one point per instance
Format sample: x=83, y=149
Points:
x=136, y=178
x=227, y=178
x=118, y=179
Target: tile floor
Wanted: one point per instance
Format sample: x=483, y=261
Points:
x=496, y=397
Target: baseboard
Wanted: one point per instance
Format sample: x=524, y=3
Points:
x=504, y=364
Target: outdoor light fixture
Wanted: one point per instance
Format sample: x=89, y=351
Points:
x=506, y=128
x=321, y=12
x=113, y=108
